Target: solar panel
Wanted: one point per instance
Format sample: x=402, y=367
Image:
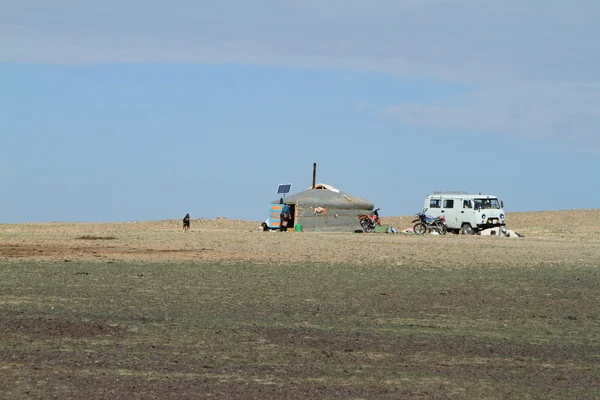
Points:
x=284, y=188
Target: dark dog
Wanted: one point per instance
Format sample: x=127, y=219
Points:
x=186, y=223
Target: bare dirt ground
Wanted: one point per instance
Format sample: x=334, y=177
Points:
x=143, y=310
x=551, y=237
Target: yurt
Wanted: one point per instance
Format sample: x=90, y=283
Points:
x=322, y=208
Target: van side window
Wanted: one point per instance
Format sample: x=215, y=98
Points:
x=467, y=204
x=448, y=203
x=434, y=203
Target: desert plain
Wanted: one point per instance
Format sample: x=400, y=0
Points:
x=143, y=310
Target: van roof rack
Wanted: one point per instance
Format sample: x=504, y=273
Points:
x=450, y=192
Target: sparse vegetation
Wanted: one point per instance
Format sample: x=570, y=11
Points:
x=219, y=312
x=91, y=237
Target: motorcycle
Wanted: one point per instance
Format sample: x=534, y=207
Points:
x=431, y=224
x=368, y=222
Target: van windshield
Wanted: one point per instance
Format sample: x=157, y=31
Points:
x=486, y=204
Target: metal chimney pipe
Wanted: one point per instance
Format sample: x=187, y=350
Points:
x=314, y=175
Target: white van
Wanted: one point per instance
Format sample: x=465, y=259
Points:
x=469, y=213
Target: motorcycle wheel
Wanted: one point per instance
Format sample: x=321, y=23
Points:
x=443, y=229
x=420, y=229
x=366, y=225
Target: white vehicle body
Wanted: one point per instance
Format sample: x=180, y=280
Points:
x=465, y=211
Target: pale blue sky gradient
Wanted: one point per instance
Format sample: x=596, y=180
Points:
x=130, y=110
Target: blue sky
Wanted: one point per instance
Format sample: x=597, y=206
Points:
x=131, y=110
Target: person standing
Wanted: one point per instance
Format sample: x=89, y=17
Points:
x=186, y=222
x=284, y=217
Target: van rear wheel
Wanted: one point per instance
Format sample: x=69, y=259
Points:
x=467, y=229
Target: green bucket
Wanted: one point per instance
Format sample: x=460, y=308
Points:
x=298, y=228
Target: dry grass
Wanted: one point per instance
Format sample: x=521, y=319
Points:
x=229, y=311
x=550, y=238
x=91, y=237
